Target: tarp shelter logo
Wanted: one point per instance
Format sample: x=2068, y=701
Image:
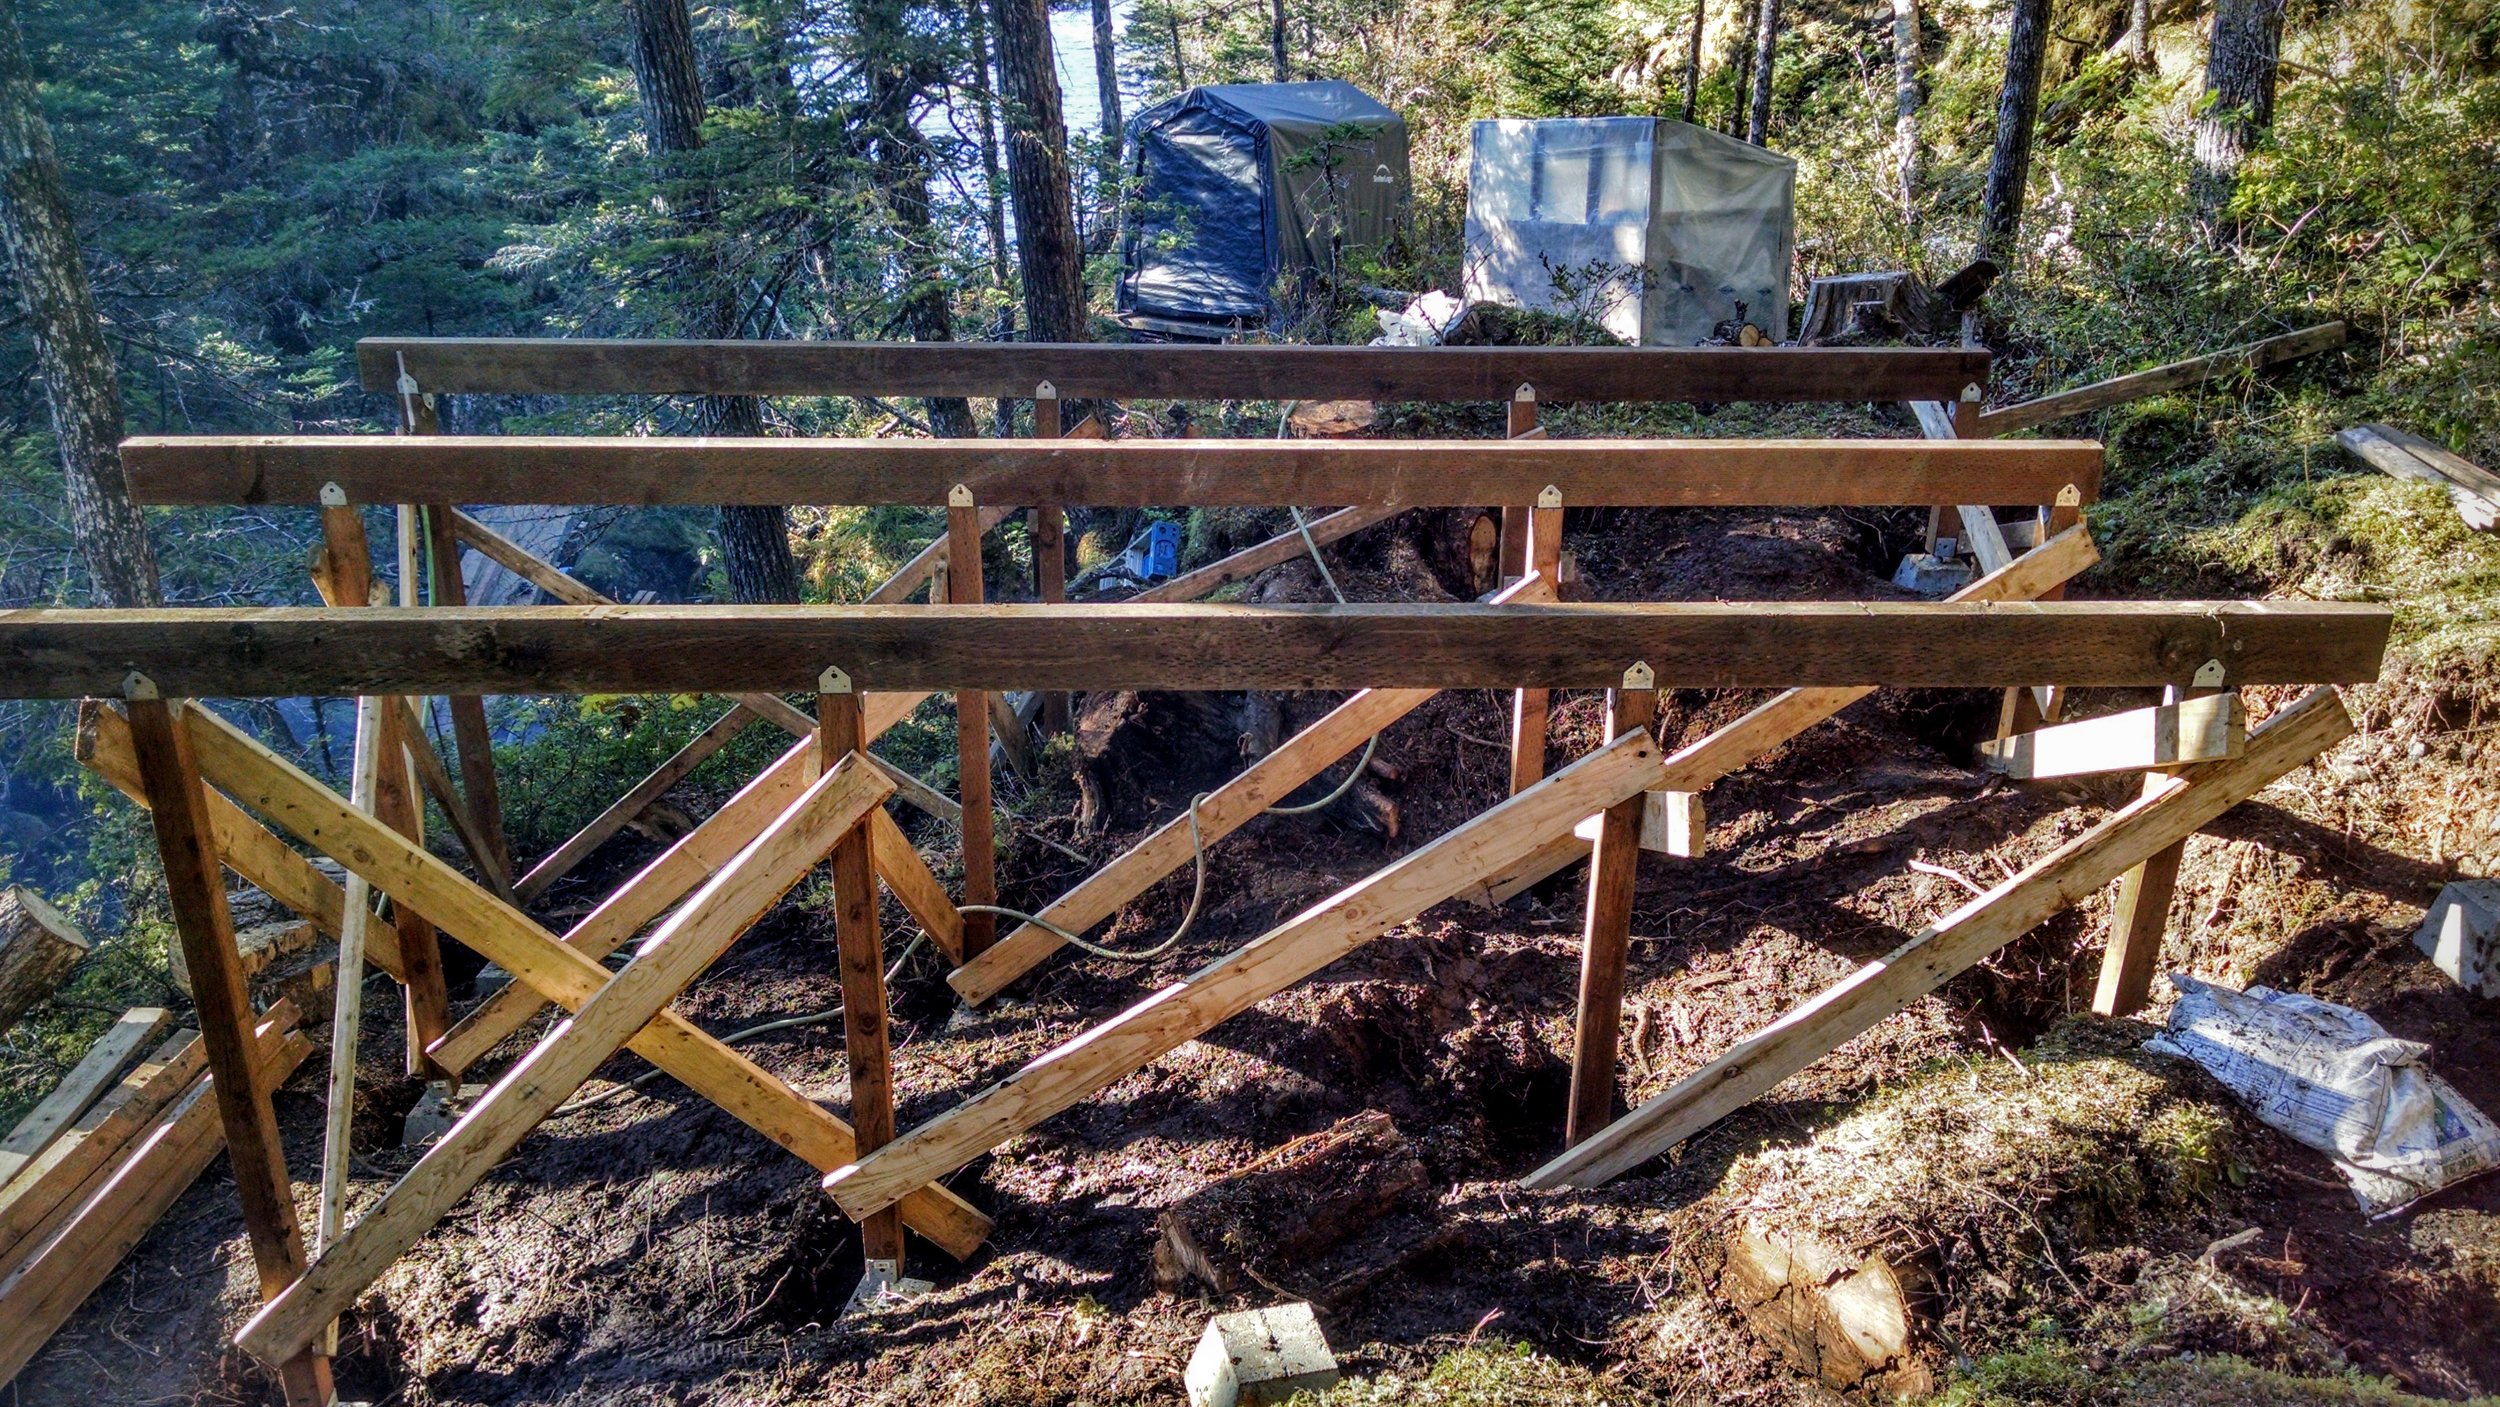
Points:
x=1383, y=176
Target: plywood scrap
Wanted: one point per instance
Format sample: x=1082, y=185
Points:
x=2203, y=729
x=81, y=1087
x=2473, y=489
x=38, y=947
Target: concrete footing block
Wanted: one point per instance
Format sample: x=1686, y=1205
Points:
x=1258, y=1357
x=2461, y=934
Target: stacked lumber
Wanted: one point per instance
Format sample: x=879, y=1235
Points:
x=78, y=1196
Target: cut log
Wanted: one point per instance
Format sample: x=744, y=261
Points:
x=38, y=947
x=1317, y=1218
x=258, y=946
x=1840, y=1318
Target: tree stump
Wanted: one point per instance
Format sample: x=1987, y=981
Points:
x=1841, y=1318
x=1318, y=1218
x=38, y=947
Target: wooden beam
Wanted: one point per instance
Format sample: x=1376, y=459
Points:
x=1094, y=370
x=1699, y=764
x=695, y=936
x=979, y=824
x=2139, y=916
x=289, y=651
x=1264, y=783
x=2203, y=729
x=1953, y=944
x=1529, y=707
x=646, y=470
x=492, y=867
x=2473, y=490
x=1606, y=937
x=178, y=805
x=2255, y=356
x=1247, y=976
x=42, y=1294
x=861, y=954
x=509, y=938
x=919, y=892
x=85, y=1083
x=482, y=800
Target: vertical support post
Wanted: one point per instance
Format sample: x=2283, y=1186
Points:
x=2141, y=914
x=1514, y=515
x=347, y=563
x=468, y=711
x=178, y=807
x=972, y=732
x=1050, y=549
x=1529, y=706
x=1606, y=945
x=839, y=733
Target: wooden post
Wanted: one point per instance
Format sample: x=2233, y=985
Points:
x=1050, y=549
x=178, y=804
x=863, y=974
x=1529, y=706
x=348, y=565
x=1515, y=516
x=972, y=731
x=478, y=791
x=2141, y=914
x=1606, y=944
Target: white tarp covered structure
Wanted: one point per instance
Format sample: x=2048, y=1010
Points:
x=1658, y=230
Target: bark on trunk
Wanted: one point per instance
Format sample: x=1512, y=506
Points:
x=80, y=387
x=896, y=80
x=993, y=177
x=1692, y=61
x=2239, y=98
x=1765, y=47
x=1905, y=104
x=2026, y=43
x=2140, y=35
x=1744, y=67
x=1107, y=88
x=755, y=540
x=38, y=947
x=1047, y=252
x=1276, y=40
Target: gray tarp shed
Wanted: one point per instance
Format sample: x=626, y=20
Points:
x=1241, y=183
x=1660, y=230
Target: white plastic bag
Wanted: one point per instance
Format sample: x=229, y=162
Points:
x=2335, y=1080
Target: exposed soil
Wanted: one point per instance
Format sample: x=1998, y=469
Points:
x=653, y=1250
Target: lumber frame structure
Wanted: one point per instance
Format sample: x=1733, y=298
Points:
x=868, y=666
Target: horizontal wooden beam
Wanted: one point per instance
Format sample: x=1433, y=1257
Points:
x=2202, y=729
x=170, y=469
x=606, y=367
x=2135, y=386
x=290, y=651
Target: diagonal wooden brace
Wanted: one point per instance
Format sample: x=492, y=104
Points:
x=696, y=935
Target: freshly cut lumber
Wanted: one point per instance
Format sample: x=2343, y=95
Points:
x=1672, y=823
x=2167, y=735
x=41, y=1293
x=513, y=941
x=696, y=935
x=2167, y=813
x=41, y=1193
x=291, y=651
x=2101, y=395
x=1226, y=809
x=644, y=470
x=2474, y=490
x=2043, y=569
x=82, y=1086
x=867, y=1046
x=1247, y=976
x=1314, y=1219
x=1841, y=1318
x=38, y=947
x=908, y=876
x=583, y=366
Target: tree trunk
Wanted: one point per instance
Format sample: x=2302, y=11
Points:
x=1107, y=90
x=2026, y=42
x=1180, y=62
x=1047, y=251
x=1276, y=40
x=2140, y=35
x=755, y=539
x=2239, y=98
x=38, y=947
x=1766, y=45
x=80, y=387
x=993, y=178
x=1692, y=61
x=896, y=80
x=1744, y=67
x=1905, y=105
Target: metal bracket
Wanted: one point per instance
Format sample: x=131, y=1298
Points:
x=833, y=681
x=883, y=1286
x=1549, y=496
x=1525, y=392
x=332, y=496
x=1640, y=676
x=960, y=496
x=2070, y=497
x=1045, y=392
x=1971, y=392
x=2208, y=675
x=138, y=686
